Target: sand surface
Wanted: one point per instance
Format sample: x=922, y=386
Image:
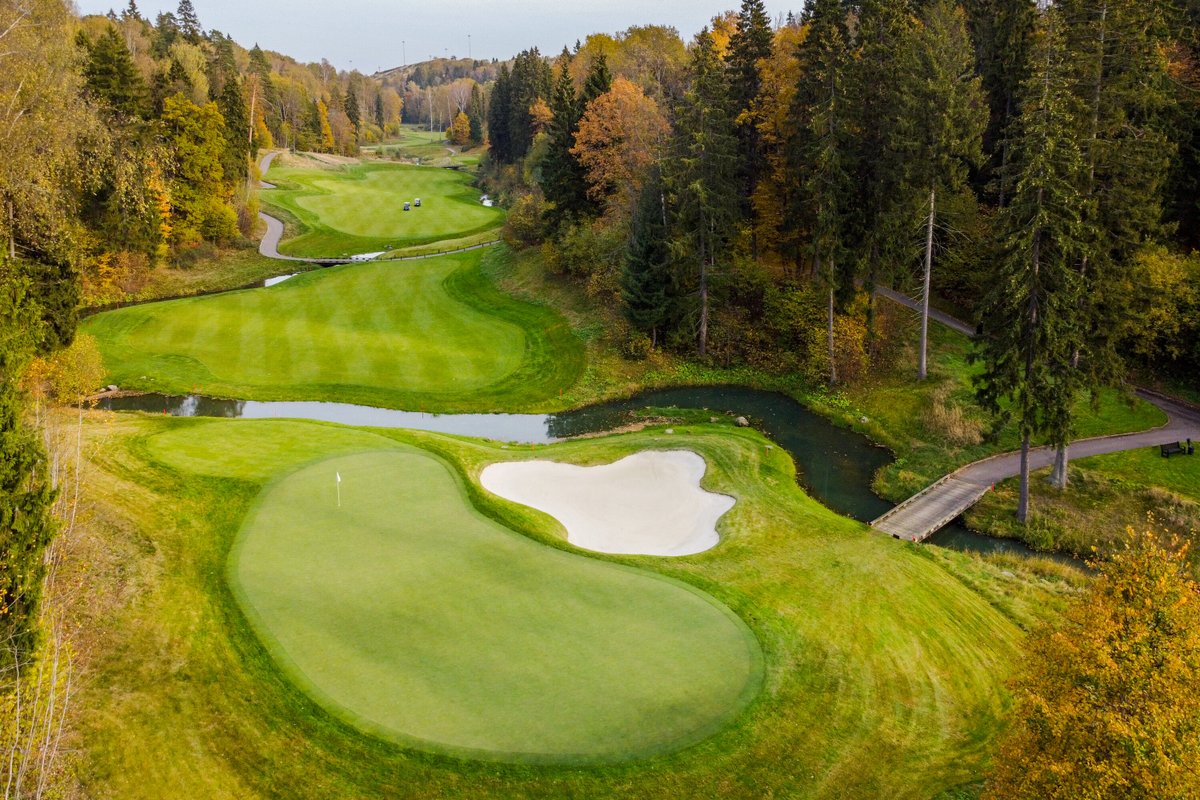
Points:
x=648, y=503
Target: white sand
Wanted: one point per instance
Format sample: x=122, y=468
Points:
x=649, y=503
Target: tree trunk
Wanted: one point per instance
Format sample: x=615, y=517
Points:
x=1058, y=476
x=1023, y=503
x=922, y=371
x=253, y=102
x=703, y=307
x=832, y=362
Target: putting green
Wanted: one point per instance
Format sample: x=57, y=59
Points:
x=431, y=334
x=359, y=208
x=410, y=613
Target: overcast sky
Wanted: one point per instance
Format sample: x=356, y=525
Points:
x=367, y=34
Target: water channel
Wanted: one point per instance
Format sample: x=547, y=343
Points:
x=836, y=465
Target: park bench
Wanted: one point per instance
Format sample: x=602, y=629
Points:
x=1176, y=448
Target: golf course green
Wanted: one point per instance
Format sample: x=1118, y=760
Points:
x=416, y=617
x=350, y=209
x=433, y=333
x=307, y=651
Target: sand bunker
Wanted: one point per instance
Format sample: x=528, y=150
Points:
x=648, y=503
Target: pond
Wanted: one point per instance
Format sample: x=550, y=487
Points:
x=836, y=465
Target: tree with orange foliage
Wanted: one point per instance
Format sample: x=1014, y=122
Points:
x=1108, y=704
x=620, y=137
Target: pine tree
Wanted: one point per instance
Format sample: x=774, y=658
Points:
x=1031, y=314
x=563, y=178
x=943, y=115
x=820, y=155
x=379, y=111
x=131, y=11
x=113, y=78
x=645, y=274
x=598, y=81
x=189, y=22
x=703, y=180
x=750, y=45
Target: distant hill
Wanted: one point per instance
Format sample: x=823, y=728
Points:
x=439, y=71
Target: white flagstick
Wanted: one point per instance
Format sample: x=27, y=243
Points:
x=339, y=488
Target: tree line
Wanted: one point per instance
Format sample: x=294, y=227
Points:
x=741, y=196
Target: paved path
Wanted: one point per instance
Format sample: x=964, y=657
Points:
x=938, y=316
x=928, y=511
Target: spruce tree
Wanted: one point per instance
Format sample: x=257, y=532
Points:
x=942, y=118
x=703, y=180
x=821, y=155
x=498, y=117
x=25, y=492
x=598, y=82
x=477, y=115
x=563, y=178
x=1121, y=81
x=351, y=107
x=113, y=78
x=529, y=82
x=645, y=274
x=1032, y=315
x=379, y=111
x=236, y=157
x=749, y=45
x=873, y=98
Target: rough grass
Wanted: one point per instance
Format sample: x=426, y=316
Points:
x=427, y=335
x=359, y=208
x=883, y=662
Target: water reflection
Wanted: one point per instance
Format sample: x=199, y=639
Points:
x=835, y=465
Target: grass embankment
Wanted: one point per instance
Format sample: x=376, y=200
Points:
x=1106, y=495
x=434, y=335
x=336, y=211
x=883, y=661
x=416, y=143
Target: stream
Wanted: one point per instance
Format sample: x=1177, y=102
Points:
x=836, y=466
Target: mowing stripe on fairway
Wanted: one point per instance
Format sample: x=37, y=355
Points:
x=418, y=618
x=432, y=335
x=359, y=208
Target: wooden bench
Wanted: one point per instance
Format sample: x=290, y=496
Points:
x=1175, y=448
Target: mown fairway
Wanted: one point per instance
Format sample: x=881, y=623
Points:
x=431, y=334
x=431, y=624
x=883, y=663
x=337, y=211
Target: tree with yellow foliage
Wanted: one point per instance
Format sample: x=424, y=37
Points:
x=620, y=137
x=1108, y=703
x=460, y=130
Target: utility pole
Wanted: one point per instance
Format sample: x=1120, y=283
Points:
x=429, y=90
x=470, y=52
x=404, y=51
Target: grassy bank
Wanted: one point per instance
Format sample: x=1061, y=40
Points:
x=883, y=662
